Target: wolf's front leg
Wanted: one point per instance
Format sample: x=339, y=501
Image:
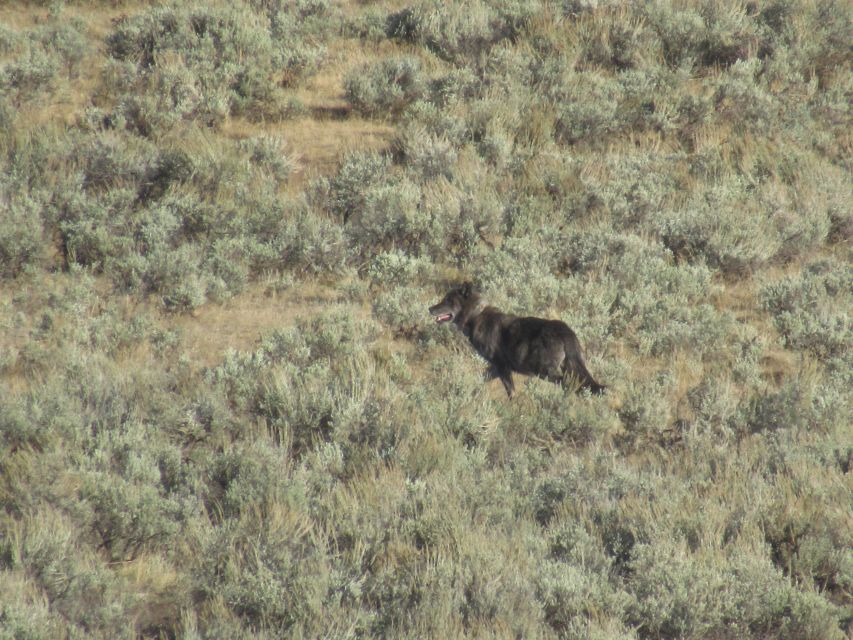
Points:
x=504, y=374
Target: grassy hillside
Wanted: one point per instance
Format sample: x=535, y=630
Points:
x=225, y=412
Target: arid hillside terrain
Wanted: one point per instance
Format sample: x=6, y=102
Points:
x=225, y=411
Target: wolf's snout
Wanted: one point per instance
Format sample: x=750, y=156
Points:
x=440, y=317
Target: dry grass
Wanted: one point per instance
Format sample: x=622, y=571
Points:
x=329, y=129
x=318, y=138
x=317, y=142
x=239, y=323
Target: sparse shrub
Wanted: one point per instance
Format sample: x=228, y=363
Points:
x=21, y=237
x=369, y=26
x=385, y=88
x=707, y=35
x=187, y=228
x=557, y=419
x=300, y=412
x=631, y=188
x=345, y=191
x=572, y=596
x=618, y=42
x=684, y=595
x=516, y=278
x=810, y=310
x=39, y=58
x=464, y=34
x=614, y=165
x=30, y=75
x=18, y=429
x=588, y=110
x=454, y=87
x=203, y=63
x=402, y=310
x=299, y=29
x=425, y=155
x=246, y=480
x=270, y=153
x=491, y=126
x=645, y=415
x=716, y=408
x=390, y=218
x=85, y=227
x=819, y=56
x=743, y=102
x=270, y=576
x=323, y=345
x=722, y=226
x=65, y=37
x=9, y=40
x=805, y=536
x=84, y=593
x=464, y=213
x=128, y=518
x=24, y=612
x=397, y=267
x=315, y=245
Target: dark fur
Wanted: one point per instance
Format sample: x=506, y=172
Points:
x=532, y=346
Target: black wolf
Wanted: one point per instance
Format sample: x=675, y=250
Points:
x=533, y=346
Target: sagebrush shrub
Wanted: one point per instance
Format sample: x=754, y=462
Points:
x=671, y=180
x=390, y=218
x=271, y=154
x=723, y=226
x=31, y=74
x=810, y=310
x=426, y=156
x=203, y=63
x=465, y=33
x=683, y=594
x=54, y=49
x=385, y=88
x=618, y=42
x=589, y=109
x=344, y=193
x=21, y=237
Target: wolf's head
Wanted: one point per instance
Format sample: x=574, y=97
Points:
x=456, y=305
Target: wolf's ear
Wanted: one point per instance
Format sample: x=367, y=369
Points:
x=466, y=289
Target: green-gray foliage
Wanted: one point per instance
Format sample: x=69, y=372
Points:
x=198, y=63
x=54, y=49
x=812, y=309
x=226, y=412
x=385, y=87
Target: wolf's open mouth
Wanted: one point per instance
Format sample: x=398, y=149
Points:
x=444, y=317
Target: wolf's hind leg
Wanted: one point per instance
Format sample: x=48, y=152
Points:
x=506, y=378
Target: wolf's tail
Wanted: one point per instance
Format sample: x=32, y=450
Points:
x=575, y=367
